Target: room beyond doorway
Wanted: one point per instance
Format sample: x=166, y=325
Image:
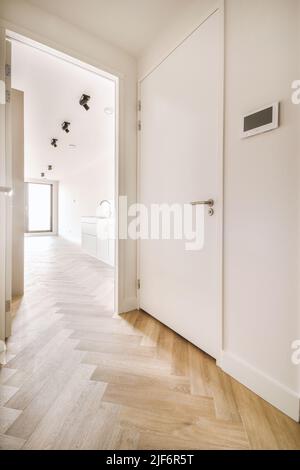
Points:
x=70, y=115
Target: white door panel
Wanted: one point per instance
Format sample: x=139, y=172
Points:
x=5, y=187
x=2, y=184
x=8, y=168
x=180, y=163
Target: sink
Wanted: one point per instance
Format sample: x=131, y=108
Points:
x=104, y=209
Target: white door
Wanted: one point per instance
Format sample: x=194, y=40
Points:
x=9, y=184
x=5, y=188
x=181, y=161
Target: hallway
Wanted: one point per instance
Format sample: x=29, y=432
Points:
x=78, y=377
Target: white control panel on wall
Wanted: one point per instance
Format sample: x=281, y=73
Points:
x=262, y=120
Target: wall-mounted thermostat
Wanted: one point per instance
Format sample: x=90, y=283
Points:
x=262, y=120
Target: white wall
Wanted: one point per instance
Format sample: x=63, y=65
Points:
x=261, y=174
x=79, y=195
x=83, y=162
x=261, y=309
x=40, y=26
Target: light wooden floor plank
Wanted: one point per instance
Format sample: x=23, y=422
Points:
x=10, y=443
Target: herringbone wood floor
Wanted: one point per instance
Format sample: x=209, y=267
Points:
x=79, y=378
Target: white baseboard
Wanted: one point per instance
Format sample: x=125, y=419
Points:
x=128, y=305
x=264, y=386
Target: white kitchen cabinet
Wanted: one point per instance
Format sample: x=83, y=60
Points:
x=89, y=235
x=97, y=238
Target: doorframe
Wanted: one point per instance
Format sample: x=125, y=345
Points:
x=13, y=34
x=220, y=8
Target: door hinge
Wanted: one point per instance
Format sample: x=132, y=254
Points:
x=8, y=70
x=140, y=105
x=7, y=96
x=138, y=282
x=139, y=126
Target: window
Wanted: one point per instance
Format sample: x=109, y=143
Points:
x=39, y=207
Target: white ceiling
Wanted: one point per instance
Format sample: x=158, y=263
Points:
x=129, y=24
x=52, y=89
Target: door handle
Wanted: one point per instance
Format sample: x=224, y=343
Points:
x=209, y=202
x=6, y=190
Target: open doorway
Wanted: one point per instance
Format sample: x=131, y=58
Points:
x=70, y=172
